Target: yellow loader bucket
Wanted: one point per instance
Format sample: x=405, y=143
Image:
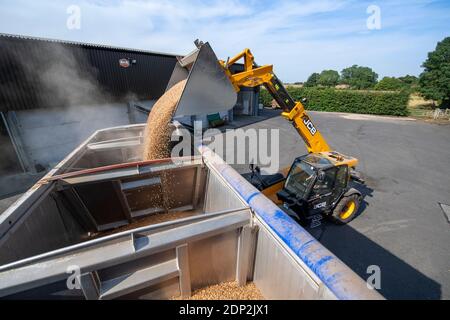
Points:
x=208, y=89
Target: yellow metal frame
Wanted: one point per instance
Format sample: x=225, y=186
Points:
x=253, y=76
x=310, y=134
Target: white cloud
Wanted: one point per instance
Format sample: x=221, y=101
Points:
x=298, y=37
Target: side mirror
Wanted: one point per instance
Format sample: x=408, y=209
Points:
x=304, y=100
x=321, y=176
x=258, y=169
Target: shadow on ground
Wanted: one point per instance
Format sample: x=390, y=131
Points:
x=399, y=280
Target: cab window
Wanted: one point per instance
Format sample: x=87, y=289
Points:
x=299, y=178
x=342, y=176
x=327, y=184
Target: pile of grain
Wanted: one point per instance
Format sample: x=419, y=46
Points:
x=158, y=130
x=227, y=291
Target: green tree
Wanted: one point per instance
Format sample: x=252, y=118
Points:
x=389, y=84
x=435, y=80
x=312, y=80
x=328, y=78
x=409, y=80
x=359, y=77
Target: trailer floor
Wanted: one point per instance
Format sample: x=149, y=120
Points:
x=227, y=291
x=401, y=227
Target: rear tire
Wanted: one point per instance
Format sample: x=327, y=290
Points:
x=346, y=210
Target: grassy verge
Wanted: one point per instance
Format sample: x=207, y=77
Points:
x=419, y=107
x=426, y=110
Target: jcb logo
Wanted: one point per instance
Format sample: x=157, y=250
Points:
x=320, y=205
x=309, y=125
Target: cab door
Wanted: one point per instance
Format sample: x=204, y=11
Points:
x=322, y=193
x=340, y=185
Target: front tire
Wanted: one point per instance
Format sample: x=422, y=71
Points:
x=346, y=210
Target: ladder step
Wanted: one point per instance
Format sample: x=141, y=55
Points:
x=138, y=280
x=145, y=212
x=131, y=185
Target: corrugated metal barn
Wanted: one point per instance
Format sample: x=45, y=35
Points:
x=54, y=94
x=26, y=62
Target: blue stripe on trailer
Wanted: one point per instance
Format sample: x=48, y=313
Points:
x=319, y=259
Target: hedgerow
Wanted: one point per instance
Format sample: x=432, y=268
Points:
x=352, y=101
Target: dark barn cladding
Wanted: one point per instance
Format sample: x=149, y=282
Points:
x=24, y=63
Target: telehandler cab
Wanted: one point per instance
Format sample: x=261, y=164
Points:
x=315, y=186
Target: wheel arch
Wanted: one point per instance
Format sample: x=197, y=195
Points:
x=351, y=192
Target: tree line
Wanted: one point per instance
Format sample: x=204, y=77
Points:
x=433, y=83
x=360, y=78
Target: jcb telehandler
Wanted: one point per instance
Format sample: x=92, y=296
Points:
x=318, y=184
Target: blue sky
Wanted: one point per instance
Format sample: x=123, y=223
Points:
x=297, y=37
